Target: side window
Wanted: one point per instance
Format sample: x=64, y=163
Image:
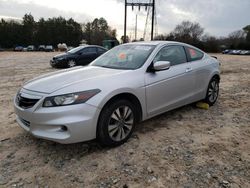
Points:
x=174, y=54
x=101, y=51
x=193, y=54
x=89, y=50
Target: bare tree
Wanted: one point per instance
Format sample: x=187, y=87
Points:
x=236, y=38
x=188, y=32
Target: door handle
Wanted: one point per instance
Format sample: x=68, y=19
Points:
x=189, y=69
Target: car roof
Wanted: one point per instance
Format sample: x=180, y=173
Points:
x=156, y=42
x=93, y=46
x=87, y=45
x=161, y=43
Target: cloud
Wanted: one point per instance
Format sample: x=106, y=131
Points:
x=15, y=9
x=219, y=18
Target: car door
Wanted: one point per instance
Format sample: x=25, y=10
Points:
x=170, y=88
x=200, y=69
x=87, y=55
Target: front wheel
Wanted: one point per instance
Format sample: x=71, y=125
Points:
x=212, y=91
x=116, y=123
x=71, y=63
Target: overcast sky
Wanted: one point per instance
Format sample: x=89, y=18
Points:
x=218, y=17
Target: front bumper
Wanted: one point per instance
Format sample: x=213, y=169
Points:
x=58, y=63
x=65, y=124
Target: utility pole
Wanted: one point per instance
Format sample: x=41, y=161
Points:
x=146, y=5
x=125, y=24
x=135, y=27
x=153, y=18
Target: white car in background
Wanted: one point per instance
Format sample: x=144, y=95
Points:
x=130, y=83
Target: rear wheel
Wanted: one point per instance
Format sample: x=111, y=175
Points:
x=212, y=91
x=116, y=123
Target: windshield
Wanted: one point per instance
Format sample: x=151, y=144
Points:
x=131, y=56
x=74, y=50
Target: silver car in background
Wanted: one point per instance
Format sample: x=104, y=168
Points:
x=128, y=84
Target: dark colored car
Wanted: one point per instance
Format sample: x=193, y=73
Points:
x=81, y=55
x=18, y=48
x=41, y=48
x=226, y=51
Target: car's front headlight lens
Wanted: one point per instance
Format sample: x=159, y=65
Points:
x=69, y=99
x=60, y=58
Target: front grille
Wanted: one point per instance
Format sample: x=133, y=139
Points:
x=26, y=102
x=26, y=123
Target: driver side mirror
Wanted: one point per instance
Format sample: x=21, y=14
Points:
x=161, y=65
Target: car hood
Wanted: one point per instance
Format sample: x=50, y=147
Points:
x=61, y=55
x=52, y=82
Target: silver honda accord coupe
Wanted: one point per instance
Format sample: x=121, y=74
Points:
x=106, y=99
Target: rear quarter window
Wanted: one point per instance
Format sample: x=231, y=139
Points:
x=101, y=51
x=193, y=54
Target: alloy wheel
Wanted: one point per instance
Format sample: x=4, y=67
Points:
x=213, y=91
x=71, y=63
x=120, y=123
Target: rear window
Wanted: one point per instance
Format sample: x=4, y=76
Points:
x=193, y=54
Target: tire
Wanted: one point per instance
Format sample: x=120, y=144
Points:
x=116, y=123
x=212, y=91
x=71, y=63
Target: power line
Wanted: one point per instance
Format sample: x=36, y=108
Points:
x=139, y=5
x=146, y=24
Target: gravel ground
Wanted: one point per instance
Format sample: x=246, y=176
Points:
x=187, y=147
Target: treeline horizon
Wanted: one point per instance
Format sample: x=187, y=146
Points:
x=193, y=33
x=53, y=31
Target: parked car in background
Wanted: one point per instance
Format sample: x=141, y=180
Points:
x=226, y=51
x=49, y=48
x=105, y=100
x=245, y=52
x=18, y=48
x=108, y=44
x=41, y=48
x=31, y=48
x=81, y=55
x=235, y=52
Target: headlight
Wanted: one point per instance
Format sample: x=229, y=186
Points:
x=69, y=99
x=60, y=58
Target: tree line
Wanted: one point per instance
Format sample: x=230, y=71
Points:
x=193, y=33
x=53, y=31
x=59, y=30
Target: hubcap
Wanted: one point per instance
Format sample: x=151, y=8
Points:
x=120, y=123
x=71, y=63
x=213, y=91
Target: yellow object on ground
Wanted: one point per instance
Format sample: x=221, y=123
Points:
x=202, y=105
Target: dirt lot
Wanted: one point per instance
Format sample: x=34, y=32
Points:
x=187, y=147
